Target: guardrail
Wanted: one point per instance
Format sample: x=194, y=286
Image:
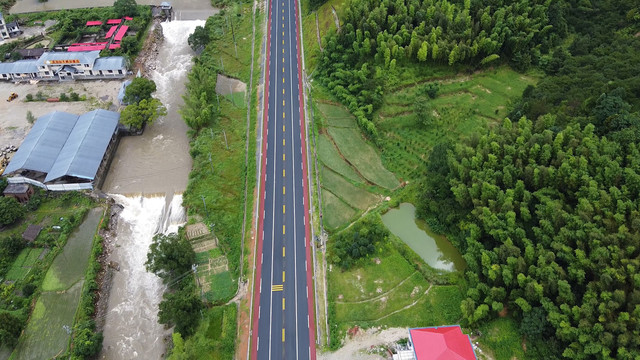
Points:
x=52, y=187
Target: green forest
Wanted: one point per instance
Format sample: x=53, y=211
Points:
x=545, y=206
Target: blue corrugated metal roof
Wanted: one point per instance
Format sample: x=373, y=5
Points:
x=19, y=67
x=40, y=148
x=84, y=57
x=109, y=63
x=85, y=147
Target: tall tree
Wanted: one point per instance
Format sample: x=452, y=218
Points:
x=170, y=256
x=125, y=8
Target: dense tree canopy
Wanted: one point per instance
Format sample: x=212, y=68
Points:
x=551, y=232
x=145, y=112
x=139, y=89
x=125, y=8
x=170, y=256
x=378, y=34
x=358, y=241
x=10, y=210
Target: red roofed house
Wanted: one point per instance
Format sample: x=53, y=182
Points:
x=438, y=343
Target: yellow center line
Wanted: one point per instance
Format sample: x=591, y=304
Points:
x=283, y=251
x=283, y=190
x=283, y=71
x=282, y=303
x=282, y=334
x=283, y=157
x=282, y=91
x=282, y=41
x=283, y=111
x=283, y=230
x=282, y=172
x=282, y=142
x=283, y=126
x=283, y=209
x=282, y=102
x=282, y=275
x=283, y=52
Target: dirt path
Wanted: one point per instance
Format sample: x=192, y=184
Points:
x=318, y=33
x=335, y=17
x=406, y=307
x=357, y=347
x=381, y=295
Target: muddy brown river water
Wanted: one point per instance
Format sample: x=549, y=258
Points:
x=147, y=176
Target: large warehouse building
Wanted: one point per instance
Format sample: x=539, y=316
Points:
x=66, y=151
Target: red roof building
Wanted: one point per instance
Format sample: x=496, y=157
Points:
x=87, y=47
x=114, y=21
x=120, y=34
x=128, y=18
x=94, y=23
x=111, y=31
x=441, y=343
x=114, y=46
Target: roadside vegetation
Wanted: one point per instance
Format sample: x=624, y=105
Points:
x=537, y=204
x=216, y=188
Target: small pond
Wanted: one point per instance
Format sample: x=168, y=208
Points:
x=435, y=249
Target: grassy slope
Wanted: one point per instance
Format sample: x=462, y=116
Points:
x=391, y=293
x=465, y=105
x=221, y=180
x=354, y=196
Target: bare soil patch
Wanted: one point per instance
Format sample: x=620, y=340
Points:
x=13, y=115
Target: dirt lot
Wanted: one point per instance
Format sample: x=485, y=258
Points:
x=24, y=6
x=365, y=345
x=13, y=115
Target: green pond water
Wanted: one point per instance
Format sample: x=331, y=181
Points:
x=434, y=249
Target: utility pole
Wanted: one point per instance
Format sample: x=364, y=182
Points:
x=225, y=139
x=233, y=33
x=205, y=205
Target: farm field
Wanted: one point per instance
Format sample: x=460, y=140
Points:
x=465, y=104
x=23, y=263
x=70, y=265
x=352, y=176
x=356, y=197
x=48, y=331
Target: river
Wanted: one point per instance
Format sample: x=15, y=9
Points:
x=147, y=177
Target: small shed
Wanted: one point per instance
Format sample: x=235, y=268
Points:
x=20, y=192
x=31, y=233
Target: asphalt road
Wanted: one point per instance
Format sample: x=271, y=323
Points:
x=283, y=321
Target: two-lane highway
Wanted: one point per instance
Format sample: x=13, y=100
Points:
x=283, y=320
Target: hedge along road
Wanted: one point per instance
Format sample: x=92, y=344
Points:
x=283, y=318
x=48, y=331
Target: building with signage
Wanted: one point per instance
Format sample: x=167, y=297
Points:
x=65, y=66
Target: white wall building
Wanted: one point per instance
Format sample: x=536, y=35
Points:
x=65, y=66
x=8, y=30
